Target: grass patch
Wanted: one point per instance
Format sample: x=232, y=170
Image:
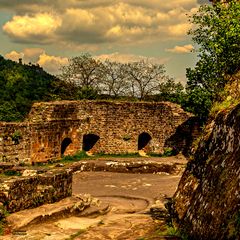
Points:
x=173, y=232
x=221, y=106
x=168, y=152
x=74, y=158
x=3, y=214
x=10, y=173
x=77, y=234
x=120, y=155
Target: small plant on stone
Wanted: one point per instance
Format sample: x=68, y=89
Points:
x=170, y=151
x=126, y=138
x=16, y=136
x=75, y=235
x=3, y=214
x=101, y=222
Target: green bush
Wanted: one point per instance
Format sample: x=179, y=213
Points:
x=12, y=173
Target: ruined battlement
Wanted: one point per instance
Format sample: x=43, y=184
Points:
x=53, y=129
x=79, y=110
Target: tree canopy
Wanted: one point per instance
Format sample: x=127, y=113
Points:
x=135, y=80
x=216, y=33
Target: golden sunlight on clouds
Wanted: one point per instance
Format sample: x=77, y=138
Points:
x=51, y=63
x=37, y=55
x=28, y=55
x=35, y=28
x=14, y=56
x=125, y=58
x=101, y=22
x=181, y=49
x=179, y=30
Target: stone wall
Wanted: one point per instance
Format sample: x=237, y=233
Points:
x=15, y=141
x=65, y=127
x=208, y=197
x=19, y=193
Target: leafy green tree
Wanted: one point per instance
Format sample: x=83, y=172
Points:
x=171, y=91
x=217, y=34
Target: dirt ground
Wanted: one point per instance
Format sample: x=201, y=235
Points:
x=147, y=186
x=129, y=196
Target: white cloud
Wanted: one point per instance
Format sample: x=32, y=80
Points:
x=179, y=30
x=32, y=54
x=125, y=58
x=181, y=49
x=14, y=56
x=50, y=63
x=27, y=55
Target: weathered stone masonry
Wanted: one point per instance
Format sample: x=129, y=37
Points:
x=19, y=193
x=207, y=201
x=65, y=127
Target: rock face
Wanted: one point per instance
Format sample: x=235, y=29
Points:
x=62, y=128
x=208, y=197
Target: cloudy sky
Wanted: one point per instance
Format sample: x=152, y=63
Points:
x=48, y=32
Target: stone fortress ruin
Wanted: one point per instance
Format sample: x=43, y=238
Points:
x=54, y=129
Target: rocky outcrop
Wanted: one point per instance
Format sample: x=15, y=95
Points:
x=207, y=201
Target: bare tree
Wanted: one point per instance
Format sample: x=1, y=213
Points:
x=145, y=78
x=115, y=80
x=82, y=71
x=86, y=75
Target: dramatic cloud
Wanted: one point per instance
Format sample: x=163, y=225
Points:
x=70, y=27
x=80, y=22
x=181, y=49
x=32, y=54
x=38, y=28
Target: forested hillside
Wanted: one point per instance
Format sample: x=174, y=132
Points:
x=21, y=85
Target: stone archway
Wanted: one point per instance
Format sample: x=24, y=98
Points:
x=89, y=140
x=65, y=143
x=144, y=141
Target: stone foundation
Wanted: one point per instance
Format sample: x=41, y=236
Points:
x=28, y=192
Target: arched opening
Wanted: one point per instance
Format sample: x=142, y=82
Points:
x=65, y=143
x=143, y=141
x=89, y=140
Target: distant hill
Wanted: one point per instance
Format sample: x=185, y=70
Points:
x=21, y=85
